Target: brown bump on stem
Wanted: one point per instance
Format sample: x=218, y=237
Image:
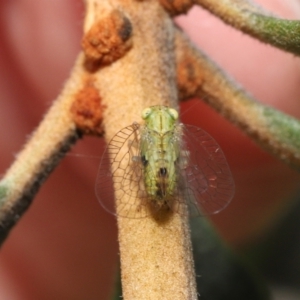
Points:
x=87, y=110
x=177, y=7
x=189, y=78
x=107, y=40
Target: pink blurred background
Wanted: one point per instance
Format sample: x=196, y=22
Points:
x=65, y=246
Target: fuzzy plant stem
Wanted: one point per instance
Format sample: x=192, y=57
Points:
x=41, y=154
x=198, y=76
x=250, y=18
x=156, y=258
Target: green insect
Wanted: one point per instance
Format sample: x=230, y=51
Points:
x=163, y=165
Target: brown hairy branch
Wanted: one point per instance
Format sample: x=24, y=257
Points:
x=42, y=153
x=199, y=76
x=150, y=249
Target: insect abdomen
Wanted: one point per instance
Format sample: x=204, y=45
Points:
x=160, y=176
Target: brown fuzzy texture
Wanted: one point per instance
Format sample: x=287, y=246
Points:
x=176, y=7
x=200, y=77
x=47, y=145
x=156, y=258
x=87, y=110
x=108, y=39
x=213, y=85
x=189, y=77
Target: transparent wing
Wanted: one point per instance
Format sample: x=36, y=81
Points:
x=203, y=176
x=121, y=168
x=207, y=179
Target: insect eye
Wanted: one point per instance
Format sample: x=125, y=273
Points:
x=146, y=112
x=173, y=113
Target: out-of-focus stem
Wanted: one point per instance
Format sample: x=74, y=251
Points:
x=199, y=76
x=257, y=22
x=47, y=145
